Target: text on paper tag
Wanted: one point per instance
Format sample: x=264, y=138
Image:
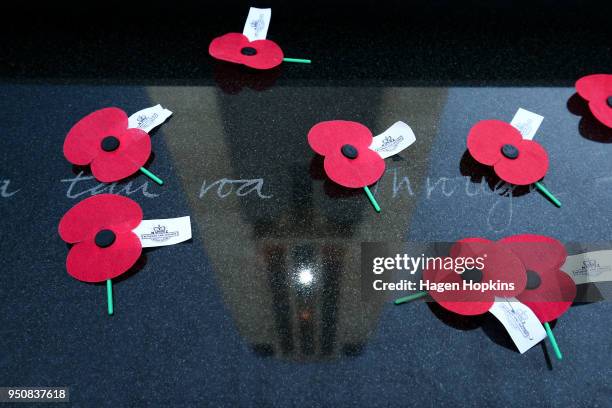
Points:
x=257, y=23
x=521, y=323
x=149, y=118
x=162, y=232
x=588, y=267
x=527, y=122
x=393, y=140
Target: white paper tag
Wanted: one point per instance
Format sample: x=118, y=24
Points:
x=527, y=122
x=521, y=323
x=149, y=118
x=393, y=140
x=169, y=231
x=257, y=23
x=593, y=266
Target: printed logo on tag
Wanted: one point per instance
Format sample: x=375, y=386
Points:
x=149, y=118
x=527, y=123
x=257, y=23
x=162, y=232
x=393, y=140
x=521, y=323
x=593, y=266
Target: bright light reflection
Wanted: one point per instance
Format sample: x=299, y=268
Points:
x=305, y=276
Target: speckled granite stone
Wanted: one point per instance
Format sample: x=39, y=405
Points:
x=228, y=319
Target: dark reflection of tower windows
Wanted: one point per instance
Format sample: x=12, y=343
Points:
x=305, y=291
x=332, y=258
x=281, y=306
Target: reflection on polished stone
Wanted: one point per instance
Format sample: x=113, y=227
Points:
x=287, y=258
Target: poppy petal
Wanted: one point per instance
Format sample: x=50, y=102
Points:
x=228, y=46
x=552, y=298
x=89, y=263
x=469, y=247
x=502, y=265
x=537, y=252
x=133, y=152
x=487, y=137
x=362, y=171
x=112, y=211
x=466, y=307
x=463, y=302
x=596, y=86
x=530, y=165
x=82, y=143
x=597, y=89
x=269, y=55
x=329, y=136
x=602, y=112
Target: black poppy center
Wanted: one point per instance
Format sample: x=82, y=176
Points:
x=349, y=151
x=510, y=151
x=110, y=143
x=248, y=51
x=105, y=238
x=533, y=280
x=472, y=275
x=609, y=101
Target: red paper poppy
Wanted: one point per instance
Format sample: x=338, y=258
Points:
x=549, y=291
x=236, y=47
x=103, y=141
x=349, y=161
x=514, y=159
x=500, y=265
x=597, y=90
x=100, y=227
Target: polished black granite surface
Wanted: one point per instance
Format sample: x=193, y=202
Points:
x=228, y=319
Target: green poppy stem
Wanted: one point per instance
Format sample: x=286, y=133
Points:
x=152, y=176
x=409, y=298
x=372, y=199
x=300, y=60
x=547, y=193
x=109, y=296
x=553, y=341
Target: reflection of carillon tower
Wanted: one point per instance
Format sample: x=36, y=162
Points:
x=306, y=276
x=289, y=266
